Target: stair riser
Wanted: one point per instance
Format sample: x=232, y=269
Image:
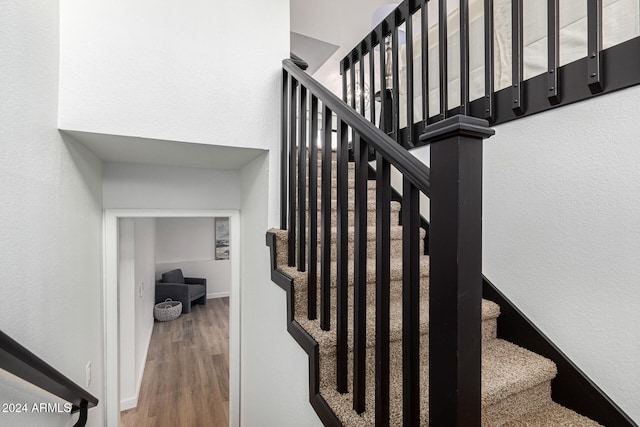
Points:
x=327, y=347
x=351, y=206
x=396, y=248
x=327, y=340
x=395, y=244
x=516, y=382
x=371, y=197
x=493, y=415
x=517, y=405
x=371, y=218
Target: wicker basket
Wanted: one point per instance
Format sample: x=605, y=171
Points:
x=167, y=310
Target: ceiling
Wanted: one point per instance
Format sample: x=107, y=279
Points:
x=315, y=52
x=128, y=149
x=339, y=22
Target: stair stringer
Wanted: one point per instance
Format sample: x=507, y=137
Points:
x=308, y=344
x=571, y=387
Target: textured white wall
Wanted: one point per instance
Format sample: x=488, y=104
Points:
x=561, y=229
x=189, y=244
x=561, y=222
x=193, y=71
x=136, y=273
x=189, y=72
x=51, y=217
x=127, y=313
x=144, y=236
x=275, y=370
x=128, y=185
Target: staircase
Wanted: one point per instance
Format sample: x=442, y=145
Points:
x=516, y=383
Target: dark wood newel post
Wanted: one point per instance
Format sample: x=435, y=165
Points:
x=455, y=289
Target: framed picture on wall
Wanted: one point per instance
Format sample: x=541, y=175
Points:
x=222, y=238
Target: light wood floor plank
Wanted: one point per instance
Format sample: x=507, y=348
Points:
x=186, y=378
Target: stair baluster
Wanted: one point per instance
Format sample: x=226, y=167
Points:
x=302, y=180
x=409, y=54
x=293, y=97
x=284, y=150
x=410, y=303
x=424, y=31
x=517, y=64
x=372, y=79
x=383, y=298
x=443, y=42
x=360, y=275
x=488, y=61
x=342, y=241
x=325, y=238
x=312, y=278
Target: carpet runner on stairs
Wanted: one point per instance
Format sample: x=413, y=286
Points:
x=516, y=383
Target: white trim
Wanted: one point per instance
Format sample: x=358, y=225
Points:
x=218, y=295
x=132, y=402
x=110, y=295
x=129, y=403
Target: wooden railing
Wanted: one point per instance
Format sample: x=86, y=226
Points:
x=454, y=185
x=598, y=72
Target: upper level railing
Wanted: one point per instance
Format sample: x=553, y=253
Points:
x=21, y=362
x=478, y=60
x=455, y=284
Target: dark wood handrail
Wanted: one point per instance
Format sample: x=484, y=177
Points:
x=455, y=246
x=412, y=168
x=301, y=63
x=19, y=361
x=601, y=71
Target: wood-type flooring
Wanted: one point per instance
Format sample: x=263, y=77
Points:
x=186, y=378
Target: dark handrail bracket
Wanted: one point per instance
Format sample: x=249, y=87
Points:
x=455, y=290
x=19, y=361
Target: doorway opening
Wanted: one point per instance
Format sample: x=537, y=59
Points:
x=227, y=245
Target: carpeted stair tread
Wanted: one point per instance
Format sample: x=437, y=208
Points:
x=351, y=205
x=552, y=414
x=511, y=369
x=395, y=269
x=351, y=182
x=327, y=339
x=516, y=383
x=395, y=243
x=395, y=233
x=495, y=383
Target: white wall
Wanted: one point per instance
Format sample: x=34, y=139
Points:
x=190, y=72
x=561, y=225
x=129, y=185
x=275, y=369
x=144, y=236
x=51, y=218
x=136, y=279
x=193, y=71
x=127, y=313
x=189, y=244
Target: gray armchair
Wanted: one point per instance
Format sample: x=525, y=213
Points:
x=179, y=288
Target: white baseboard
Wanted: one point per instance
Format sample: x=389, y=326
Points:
x=218, y=295
x=129, y=403
x=132, y=402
